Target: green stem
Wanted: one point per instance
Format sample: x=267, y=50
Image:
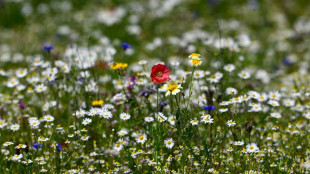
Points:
x=190, y=88
x=120, y=78
x=176, y=100
x=157, y=98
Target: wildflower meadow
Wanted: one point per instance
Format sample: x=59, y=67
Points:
x=159, y=86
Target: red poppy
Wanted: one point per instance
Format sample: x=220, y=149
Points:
x=160, y=73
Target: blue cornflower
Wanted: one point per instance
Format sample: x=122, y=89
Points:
x=126, y=46
x=209, y=108
x=37, y=145
x=58, y=147
x=48, y=47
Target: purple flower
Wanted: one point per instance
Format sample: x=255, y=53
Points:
x=130, y=86
x=127, y=107
x=146, y=92
x=133, y=78
x=80, y=80
x=163, y=103
x=126, y=46
x=21, y=105
x=286, y=61
x=52, y=82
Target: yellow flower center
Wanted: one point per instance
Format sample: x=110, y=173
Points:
x=159, y=74
x=172, y=87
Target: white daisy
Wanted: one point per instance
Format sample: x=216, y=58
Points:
x=194, y=121
x=206, y=119
x=229, y=67
x=48, y=118
x=231, y=123
x=250, y=148
x=275, y=115
x=148, y=119
x=141, y=138
x=244, y=74
x=86, y=121
x=12, y=82
x=14, y=127
x=21, y=73
x=169, y=143
x=40, y=88
x=124, y=116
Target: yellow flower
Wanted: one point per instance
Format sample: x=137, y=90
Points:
x=194, y=55
x=97, y=102
x=172, y=87
x=123, y=65
x=195, y=61
x=115, y=66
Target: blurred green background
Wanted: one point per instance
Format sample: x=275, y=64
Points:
x=27, y=25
